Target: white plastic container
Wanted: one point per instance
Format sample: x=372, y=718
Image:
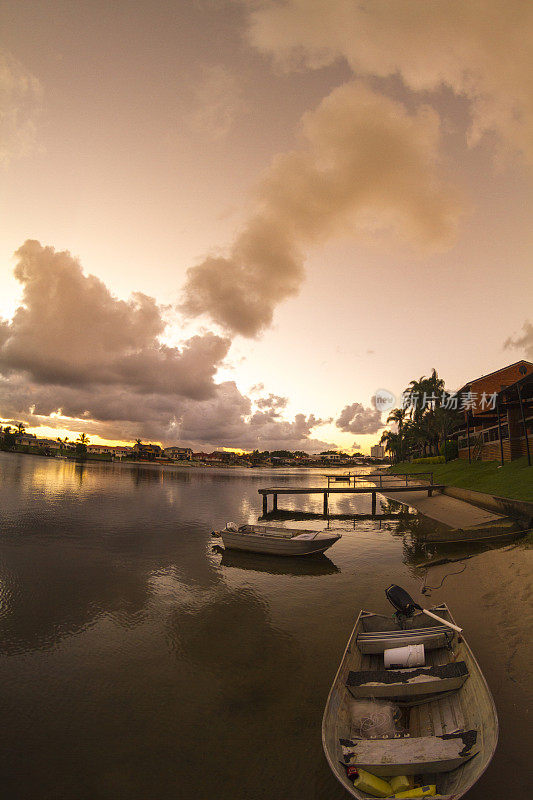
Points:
x=410, y=656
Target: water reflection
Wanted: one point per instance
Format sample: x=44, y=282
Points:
x=351, y=517
x=276, y=565
x=419, y=553
x=137, y=662
x=238, y=676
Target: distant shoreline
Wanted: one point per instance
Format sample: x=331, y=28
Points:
x=196, y=464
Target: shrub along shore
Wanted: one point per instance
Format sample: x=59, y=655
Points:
x=513, y=480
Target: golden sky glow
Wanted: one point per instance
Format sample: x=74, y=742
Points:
x=283, y=206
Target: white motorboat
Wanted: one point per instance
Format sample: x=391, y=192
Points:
x=276, y=541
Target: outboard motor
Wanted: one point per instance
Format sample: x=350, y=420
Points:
x=402, y=601
x=405, y=607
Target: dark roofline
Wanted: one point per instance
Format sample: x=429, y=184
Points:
x=494, y=372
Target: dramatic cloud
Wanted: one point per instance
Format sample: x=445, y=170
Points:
x=523, y=342
x=75, y=357
x=355, y=418
x=481, y=49
x=71, y=331
x=274, y=403
x=228, y=418
x=365, y=161
x=20, y=101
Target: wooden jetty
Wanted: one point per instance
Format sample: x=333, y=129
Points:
x=353, y=488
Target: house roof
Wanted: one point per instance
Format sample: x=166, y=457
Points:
x=495, y=372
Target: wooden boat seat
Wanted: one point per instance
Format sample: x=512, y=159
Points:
x=407, y=682
x=411, y=755
x=378, y=641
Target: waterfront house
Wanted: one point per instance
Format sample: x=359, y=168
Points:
x=332, y=456
x=115, y=451
x=178, y=453
x=147, y=452
x=121, y=451
x=498, y=415
x=99, y=449
x=49, y=444
x=28, y=439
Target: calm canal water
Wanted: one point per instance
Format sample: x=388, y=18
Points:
x=139, y=662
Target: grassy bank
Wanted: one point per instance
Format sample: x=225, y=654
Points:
x=514, y=480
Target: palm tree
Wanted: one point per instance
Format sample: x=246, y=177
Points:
x=391, y=441
x=417, y=388
x=62, y=442
x=397, y=415
x=414, y=437
x=83, y=439
x=8, y=437
x=435, y=386
x=139, y=446
x=20, y=430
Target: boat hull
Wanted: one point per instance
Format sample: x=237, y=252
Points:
x=475, y=700
x=252, y=543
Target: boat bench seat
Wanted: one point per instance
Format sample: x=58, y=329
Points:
x=379, y=641
x=407, y=682
x=411, y=755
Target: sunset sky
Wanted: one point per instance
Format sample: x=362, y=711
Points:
x=227, y=223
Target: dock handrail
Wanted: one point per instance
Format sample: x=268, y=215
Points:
x=350, y=477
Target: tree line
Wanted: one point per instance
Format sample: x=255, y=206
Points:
x=11, y=438
x=424, y=423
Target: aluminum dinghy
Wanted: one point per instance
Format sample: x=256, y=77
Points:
x=445, y=727
x=276, y=541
